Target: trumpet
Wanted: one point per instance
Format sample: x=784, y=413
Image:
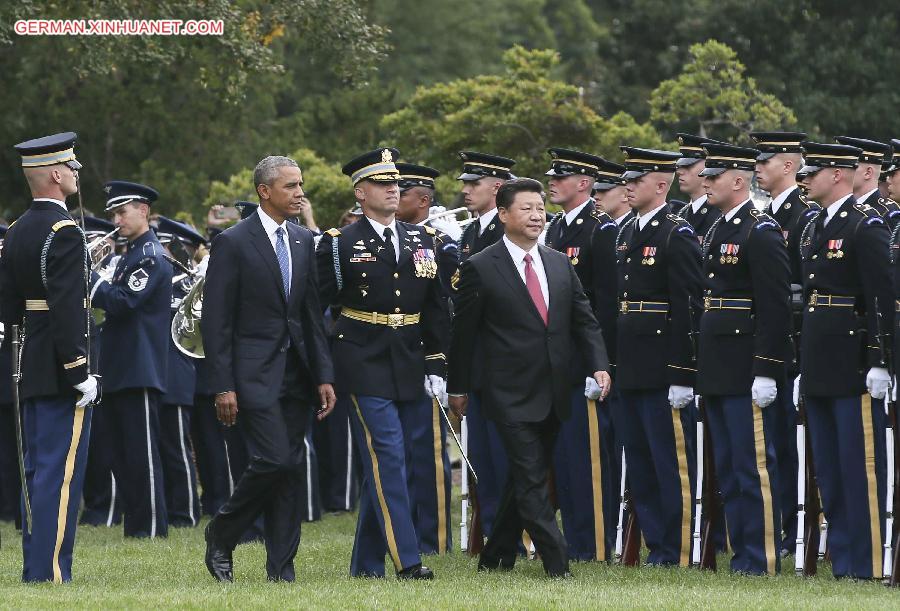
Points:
x=449, y=221
x=100, y=248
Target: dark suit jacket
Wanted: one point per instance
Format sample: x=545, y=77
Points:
x=525, y=362
x=247, y=322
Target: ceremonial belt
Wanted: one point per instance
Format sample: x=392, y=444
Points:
x=720, y=303
x=816, y=300
x=631, y=307
x=34, y=305
x=376, y=318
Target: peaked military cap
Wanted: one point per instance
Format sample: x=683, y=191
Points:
x=412, y=175
x=772, y=143
x=377, y=166
x=640, y=161
x=691, y=148
x=93, y=224
x=872, y=151
x=121, y=192
x=609, y=175
x=479, y=165
x=167, y=228
x=895, y=158
x=818, y=155
x=49, y=150
x=723, y=157
x=246, y=208
x=568, y=162
x=3, y=230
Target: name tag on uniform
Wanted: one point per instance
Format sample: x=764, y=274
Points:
x=363, y=257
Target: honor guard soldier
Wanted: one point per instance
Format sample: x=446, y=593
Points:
x=102, y=499
x=585, y=477
x=177, y=403
x=137, y=302
x=891, y=174
x=742, y=352
x=847, y=283
x=428, y=470
x=10, y=484
x=391, y=335
x=697, y=212
x=481, y=176
x=43, y=278
x=865, y=185
x=610, y=194
x=659, y=277
x=779, y=159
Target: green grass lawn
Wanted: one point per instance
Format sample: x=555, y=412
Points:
x=112, y=573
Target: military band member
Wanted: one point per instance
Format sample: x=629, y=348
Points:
x=585, y=480
x=482, y=176
x=846, y=273
x=428, y=467
x=177, y=403
x=659, y=276
x=742, y=353
x=43, y=281
x=697, y=212
x=136, y=300
x=776, y=170
x=865, y=184
x=391, y=335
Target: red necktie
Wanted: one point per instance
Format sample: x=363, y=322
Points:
x=534, y=289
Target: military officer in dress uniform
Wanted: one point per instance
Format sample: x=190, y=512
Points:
x=391, y=336
x=137, y=302
x=102, y=499
x=43, y=278
x=891, y=176
x=697, y=212
x=428, y=464
x=744, y=333
x=481, y=176
x=847, y=283
x=583, y=456
x=659, y=276
x=776, y=171
x=177, y=403
x=865, y=183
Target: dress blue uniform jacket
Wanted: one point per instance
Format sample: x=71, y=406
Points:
x=182, y=371
x=136, y=331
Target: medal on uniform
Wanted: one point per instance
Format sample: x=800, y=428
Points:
x=834, y=249
x=424, y=263
x=649, y=254
x=729, y=254
x=572, y=252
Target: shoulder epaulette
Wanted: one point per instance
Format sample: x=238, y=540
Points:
x=59, y=225
x=334, y=232
x=763, y=220
x=430, y=230
x=604, y=220
x=865, y=209
x=676, y=219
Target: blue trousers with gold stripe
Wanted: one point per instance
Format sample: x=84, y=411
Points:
x=848, y=446
x=56, y=435
x=385, y=523
x=661, y=472
x=488, y=457
x=744, y=450
x=428, y=474
x=584, y=480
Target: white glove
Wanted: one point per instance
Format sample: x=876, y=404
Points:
x=796, y=394
x=436, y=387
x=88, y=390
x=764, y=391
x=894, y=390
x=200, y=270
x=592, y=390
x=679, y=396
x=877, y=381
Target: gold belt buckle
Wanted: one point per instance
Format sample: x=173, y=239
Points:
x=624, y=307
x=395, y=320
x=707, y=303
x=814, y=298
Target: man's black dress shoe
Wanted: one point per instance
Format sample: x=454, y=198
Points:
x=218, y=559
x=416, y=572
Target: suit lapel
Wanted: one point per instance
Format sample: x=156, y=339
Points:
x=510, y=274
x=262, y=244
x=555, y=280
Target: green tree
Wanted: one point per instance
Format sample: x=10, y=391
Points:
x=328, y=189
x=520, y=114
x=714, y=97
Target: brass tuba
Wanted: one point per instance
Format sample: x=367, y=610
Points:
x=99, y=249
x=186, y=322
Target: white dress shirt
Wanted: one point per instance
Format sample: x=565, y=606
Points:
x=572, y=214
x=645, y=218
x=518, y=257
x=731, y=213
x=831, y=210
x=485, y=219
x=270, y=226
x=779, y=200
x=55, y=201
x=696, y=204
x=379, y=229
x=866, y=196
x=621, y=219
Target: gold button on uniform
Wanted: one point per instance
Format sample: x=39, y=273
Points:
x=396, y=275
x=396, y=310
x=364, y=274
x=397, y=292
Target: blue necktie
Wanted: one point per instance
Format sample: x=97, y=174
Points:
x=282, y=255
